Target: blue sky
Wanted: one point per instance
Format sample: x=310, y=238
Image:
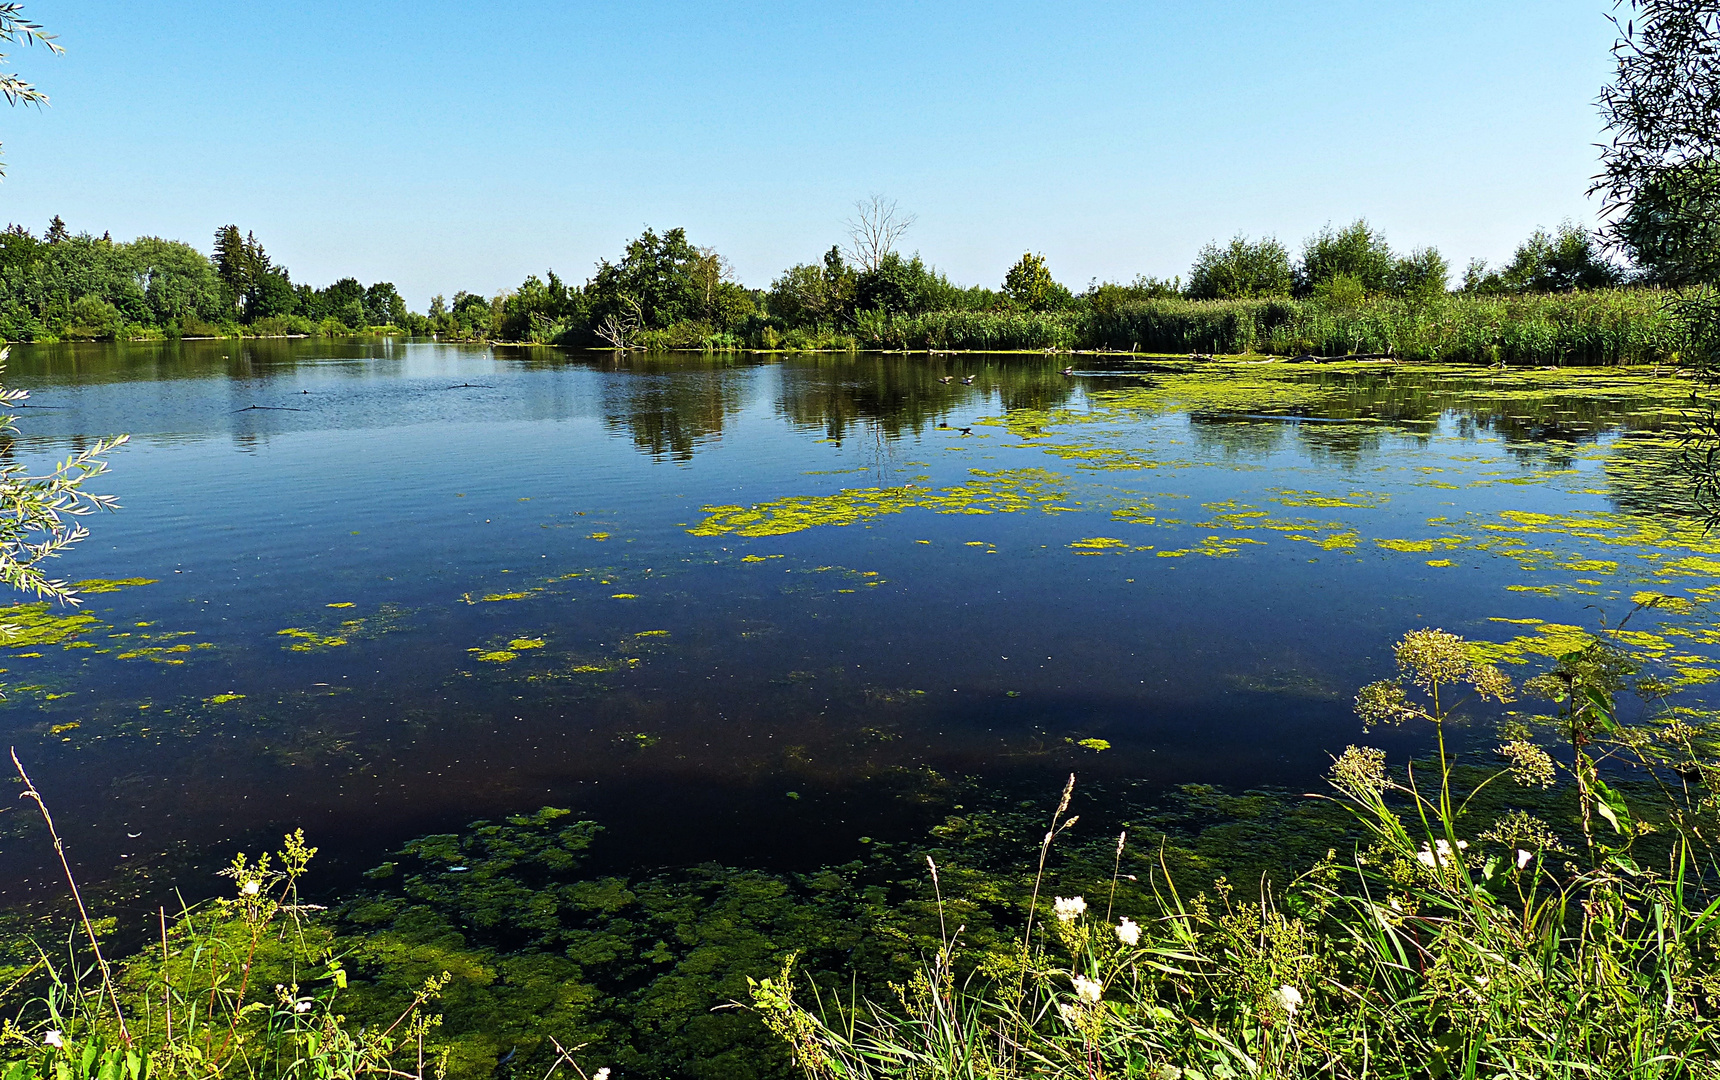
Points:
x=444, y=146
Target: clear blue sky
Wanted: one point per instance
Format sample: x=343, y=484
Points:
x=445, y=146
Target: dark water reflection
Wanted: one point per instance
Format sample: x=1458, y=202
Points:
x=402, y=585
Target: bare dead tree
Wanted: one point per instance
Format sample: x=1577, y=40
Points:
x=874, y=229
x=621, y=328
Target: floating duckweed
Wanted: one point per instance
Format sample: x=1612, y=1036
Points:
x=1093, y=744
x=761, y=558
x=624, y=596
x=598, y=536
x=61, y=729
x=1000, y=492
x=222, y=699
x=652, y=633
x=1364, y=500
x=307, y=640
x=522, y=644
x=33, y=625
x=495, y=597
x=494, y=656
x=1440, y=562
x=107, y=585
x=343, y=604
x=1095, y=545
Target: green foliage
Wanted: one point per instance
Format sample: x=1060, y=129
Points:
x=1029, y=284
x=67, y=286
x=1448, y=946
x=1566, y=261
x=1240, y=270
x=1108, y=297
x=39, y=514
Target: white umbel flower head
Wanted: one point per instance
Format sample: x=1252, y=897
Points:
x=601, y=1074
x=1069, y=910
x=1440, y=854
x=1129, y=932
x=1088, y=990
x=53, y=1039
x=252, y=887
x=1290, y=998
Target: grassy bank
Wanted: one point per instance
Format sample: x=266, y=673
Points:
x=1621, y=326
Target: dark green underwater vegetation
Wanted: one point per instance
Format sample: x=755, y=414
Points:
x=1255, y=933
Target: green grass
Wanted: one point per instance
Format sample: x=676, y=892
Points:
x=1438, y=950
x=1621, y=326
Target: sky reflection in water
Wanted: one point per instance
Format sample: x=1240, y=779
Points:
x=401, y=586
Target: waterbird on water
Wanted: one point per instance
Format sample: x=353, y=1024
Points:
x=967, y=380
x=1067, y=371
x=965, y=431
x=947, y=379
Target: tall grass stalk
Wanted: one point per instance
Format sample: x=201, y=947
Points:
x=1446, y=946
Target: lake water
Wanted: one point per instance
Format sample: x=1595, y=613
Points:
x=760, y=609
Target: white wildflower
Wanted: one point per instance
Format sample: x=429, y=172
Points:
x=1087, y=989
x=252, y=887
x=302, y=1006
x=1070, y=1014
x=1440, y=854
x=1523, y=858
x=1129, y=932
x=53, y=1039
x=1071, y=909
x=1290, y=998
x=601, y=1074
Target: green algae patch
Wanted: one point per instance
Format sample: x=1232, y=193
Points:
x=1549, y=642
x=494, y=656
x=29, y=626
x=1212, y=547
x=1358, y=500
x=223, y=699
x=107, y=585
x=1097, y=545
x=1000, y=492
x=522, y=644
x=309, y=641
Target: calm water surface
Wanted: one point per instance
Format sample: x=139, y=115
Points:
x=760, y=609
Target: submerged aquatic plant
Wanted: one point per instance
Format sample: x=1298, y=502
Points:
x=1431, y=954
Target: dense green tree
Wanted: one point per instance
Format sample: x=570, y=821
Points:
x=654, y=283
x=178, y=282
x=1029, y=283
x=898, y=286
x=383, y=305
x=1240, y=269
x=1356, y=251
x=258, y=288
x=1423, y=272
x=1671, y=229
x=1110, y=296
x=814, y=295
x=1567, y=260
x=1661, y=181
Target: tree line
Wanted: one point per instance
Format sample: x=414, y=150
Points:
x=62, y=285
x=666, y=292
